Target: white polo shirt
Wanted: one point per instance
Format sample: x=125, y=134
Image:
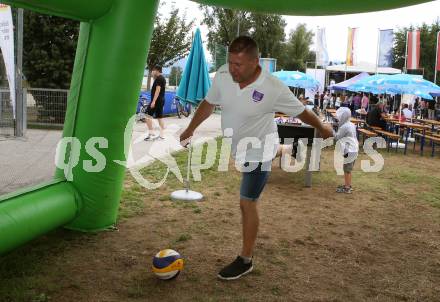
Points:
x=250, y=113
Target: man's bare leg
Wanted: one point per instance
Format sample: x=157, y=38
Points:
x=250, y=223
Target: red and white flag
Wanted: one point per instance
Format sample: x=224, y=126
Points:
x=413, y=48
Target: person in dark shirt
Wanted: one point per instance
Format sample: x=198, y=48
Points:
x=155, y=108
x=376, y=116
x=316, y=100
x=431, y=109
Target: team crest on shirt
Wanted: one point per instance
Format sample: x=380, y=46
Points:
x=257, y=96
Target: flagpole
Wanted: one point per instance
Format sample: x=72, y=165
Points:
x=378, y=49
x=436, y=61
x=316, y=53
x=346, y=57
x=316, y=58
x=406, y=53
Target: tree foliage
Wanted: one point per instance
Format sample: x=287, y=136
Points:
x=267, y=30
x=296, y=51
x=175, y=76
x=49, y=46
x=170, y=42
x=224, y=26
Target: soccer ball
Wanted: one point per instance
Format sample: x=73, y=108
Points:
x=167, y=264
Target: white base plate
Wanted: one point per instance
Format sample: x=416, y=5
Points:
x=184, y=195
x=400, y=145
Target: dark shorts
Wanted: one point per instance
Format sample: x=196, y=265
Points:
x=253, y=182
x=348, y=167
x=157, y=111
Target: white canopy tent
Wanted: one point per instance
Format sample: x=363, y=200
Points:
x=362, y=67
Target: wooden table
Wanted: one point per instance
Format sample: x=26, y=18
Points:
x=432, y=122
x=413, y=126
x=391, y=120
x=356, y=121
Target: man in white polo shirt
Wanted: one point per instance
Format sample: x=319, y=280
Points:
x=249, y=97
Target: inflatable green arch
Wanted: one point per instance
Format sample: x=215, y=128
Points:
x=110, y=59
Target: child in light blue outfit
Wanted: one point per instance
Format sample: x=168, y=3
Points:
x=347, y=130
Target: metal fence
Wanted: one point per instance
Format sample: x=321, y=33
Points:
x=46, y=108
x=7, y=125
x=42, y=108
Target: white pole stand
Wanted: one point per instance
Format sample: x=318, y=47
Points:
x=187, y=194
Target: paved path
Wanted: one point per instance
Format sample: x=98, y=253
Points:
x=30, y=161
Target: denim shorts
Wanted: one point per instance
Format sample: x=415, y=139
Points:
x=253, y=182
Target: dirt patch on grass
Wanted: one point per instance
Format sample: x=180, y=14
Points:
x=379, y=244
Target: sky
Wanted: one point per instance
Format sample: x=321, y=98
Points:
x=337, y=26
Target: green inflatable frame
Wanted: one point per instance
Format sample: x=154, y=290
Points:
x=112, y=50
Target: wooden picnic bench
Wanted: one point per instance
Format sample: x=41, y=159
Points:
x=435, y=139
x=366, y=133
x=375, y=127
x=390, y=137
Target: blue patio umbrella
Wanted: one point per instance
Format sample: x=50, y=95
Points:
x=410, y=84
x=435, y=93
x=297, y=79
x=195, y=81
x=372, y=84
x=423, y=94
x=193, y=88
x=349, y=82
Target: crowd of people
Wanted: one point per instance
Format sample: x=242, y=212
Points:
x=375, y=107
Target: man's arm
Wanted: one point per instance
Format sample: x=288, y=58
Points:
x=310, y=118
x=156, y=95
x=203, y=112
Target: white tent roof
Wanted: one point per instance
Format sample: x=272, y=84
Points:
x=363, y=67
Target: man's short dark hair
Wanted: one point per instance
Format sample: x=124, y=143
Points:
x=244, y=44
x=157, y=68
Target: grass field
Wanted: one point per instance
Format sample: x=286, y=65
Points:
x=381, y=243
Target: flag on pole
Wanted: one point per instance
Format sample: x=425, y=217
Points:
x=413, y=50
x=7, y=48
x=351, y=46
x=321, y=48
x=386, y=42
x=438, y=52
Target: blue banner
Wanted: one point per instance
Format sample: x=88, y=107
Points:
x=386, y=48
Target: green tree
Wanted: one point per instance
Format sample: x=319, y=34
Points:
x=170, y=42
x=428, y=39
x=224, y=25
x=175, y=75
x=296, y=52
x=49, y=46
x=268, y=32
